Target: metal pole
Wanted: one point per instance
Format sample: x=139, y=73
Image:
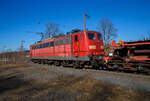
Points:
x=84, y=22
x=22, y=45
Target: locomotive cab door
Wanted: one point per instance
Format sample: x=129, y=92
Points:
x=75, y=44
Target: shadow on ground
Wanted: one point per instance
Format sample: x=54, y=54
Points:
x=10, y=83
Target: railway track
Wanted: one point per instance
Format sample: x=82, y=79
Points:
x=89, y=70
x=103, y=70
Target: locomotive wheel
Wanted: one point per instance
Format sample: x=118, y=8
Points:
x=96, y=66
x=101, y=67
x=139, y=68
x=34, y=61
x=50, y=62
x=148, y=73
x=64, y=63
x=57, y=63
x=40, y=62
x=115, y=66
x=43, y=61
x=76, y=64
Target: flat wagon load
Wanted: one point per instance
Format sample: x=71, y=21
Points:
x=130, y=56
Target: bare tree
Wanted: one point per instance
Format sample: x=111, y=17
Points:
x=148, y=35
x=145, y=36
x=41, y=34
x=106, y=27
x=53, y=30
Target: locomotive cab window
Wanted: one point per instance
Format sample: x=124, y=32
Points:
x=41, y=45
x=33, y=47
x=99, y=36
x=52, y=43
x=91, y=36
x=47, y=44
x=76, y=38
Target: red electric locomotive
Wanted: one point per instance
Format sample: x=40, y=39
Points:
x=79, y=49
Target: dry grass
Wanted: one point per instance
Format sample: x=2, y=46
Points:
x=63, y=88
x=11, y=65
x=87, y=89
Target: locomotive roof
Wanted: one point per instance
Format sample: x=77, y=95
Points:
x=52, y=39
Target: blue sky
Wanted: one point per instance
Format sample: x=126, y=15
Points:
x=130, y=17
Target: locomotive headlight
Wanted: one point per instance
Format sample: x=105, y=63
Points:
x=102, y=47
x=100, y=57
x=92, y=47
x=110, y=54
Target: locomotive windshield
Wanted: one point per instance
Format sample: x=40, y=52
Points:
x=99, y=36
x=91, y=36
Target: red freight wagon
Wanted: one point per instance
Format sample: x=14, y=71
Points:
x=79, y=49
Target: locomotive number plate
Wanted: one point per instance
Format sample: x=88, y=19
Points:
x=92, y=47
